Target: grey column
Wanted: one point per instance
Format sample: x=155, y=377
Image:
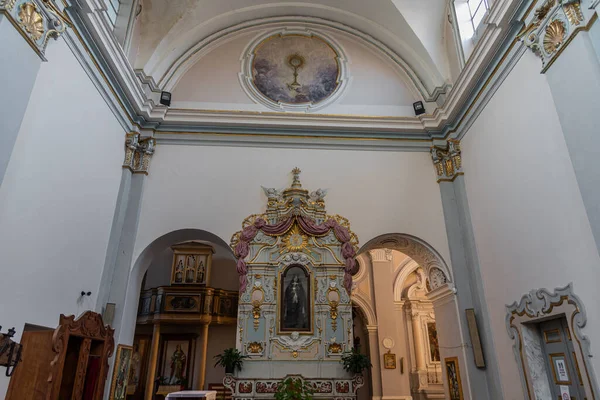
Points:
x=20, y=66
x=485, y=383
x=119, y=255
x=574, y=80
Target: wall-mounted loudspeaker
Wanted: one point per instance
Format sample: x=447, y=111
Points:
x=165, y=99
x=419, y=108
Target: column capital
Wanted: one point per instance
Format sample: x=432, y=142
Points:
x=447, y=160
x=372, y=329
x=550, y=28
x=138, y=151
x=37, y=21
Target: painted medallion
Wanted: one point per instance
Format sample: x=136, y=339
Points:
x=295, y=69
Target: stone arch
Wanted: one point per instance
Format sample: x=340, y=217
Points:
x=141, y=264
x=419, y=250
x=366, y=308
x=404, y=272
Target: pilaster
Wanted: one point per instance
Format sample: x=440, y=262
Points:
x=117, y=265
x=447, y=161
x=566, y=36
x=24, y=26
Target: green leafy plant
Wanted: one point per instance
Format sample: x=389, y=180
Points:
x=294, y=389
x=355, y=362
x=231, y=359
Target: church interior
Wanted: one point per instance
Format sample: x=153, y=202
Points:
x=299, y=199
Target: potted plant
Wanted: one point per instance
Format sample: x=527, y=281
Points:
x=231, y=359
x=294, y=389
x=355, y=362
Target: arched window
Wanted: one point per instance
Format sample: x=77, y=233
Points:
x=469, y=17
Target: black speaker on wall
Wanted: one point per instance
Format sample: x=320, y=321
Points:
x=165, y=99
x=419, y=108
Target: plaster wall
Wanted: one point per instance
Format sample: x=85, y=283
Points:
x=530, y=224
x=20, y=65
x=393, y=383
x=58, y=197
x=220, y=337
x=375, y=88
x=215, y=188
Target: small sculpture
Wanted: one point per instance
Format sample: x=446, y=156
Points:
x=318, y=195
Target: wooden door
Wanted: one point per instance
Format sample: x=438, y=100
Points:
x=562, y=364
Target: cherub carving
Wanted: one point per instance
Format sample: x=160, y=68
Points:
x=272, y=193
x=318, y=195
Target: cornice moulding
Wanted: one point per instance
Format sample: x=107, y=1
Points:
x=211, y=126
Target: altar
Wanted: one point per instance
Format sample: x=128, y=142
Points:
x=295, y=313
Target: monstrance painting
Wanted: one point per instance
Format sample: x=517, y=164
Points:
x=295, y=69
x=295, y=312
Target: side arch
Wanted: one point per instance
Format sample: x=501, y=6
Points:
x=366, y=308
x=141, y=265
x=404, y=272
x=419, y=250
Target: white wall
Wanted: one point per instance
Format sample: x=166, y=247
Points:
x=58, y=197
x=531, y=229
x=215, y=188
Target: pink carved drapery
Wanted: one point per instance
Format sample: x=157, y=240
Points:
x=308, y=226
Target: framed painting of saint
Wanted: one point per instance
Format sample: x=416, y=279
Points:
x=434, y=348
x=176, y=362
x=295, y=311
x=118, y=390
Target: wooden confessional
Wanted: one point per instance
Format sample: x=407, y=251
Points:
x=69, y=362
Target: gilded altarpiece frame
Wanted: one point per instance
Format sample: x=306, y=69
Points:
x=294, y=244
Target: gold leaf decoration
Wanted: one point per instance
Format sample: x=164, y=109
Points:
x=541, y=12
x=573, y=13
x=31, y=20
x=555, y=35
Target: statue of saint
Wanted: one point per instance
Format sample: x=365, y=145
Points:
x=201, y=271
x=177, y=366
x=295, y=314
x=179, y=272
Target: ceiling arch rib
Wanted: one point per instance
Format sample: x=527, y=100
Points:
x=194, y=23
x=263, y=27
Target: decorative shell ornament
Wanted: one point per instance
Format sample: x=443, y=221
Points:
x=555, y=35
x=31, y=20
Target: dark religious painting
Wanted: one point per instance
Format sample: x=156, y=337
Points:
x=454, y=382
x=295, y=310
x=295, y=69
x=434, y=347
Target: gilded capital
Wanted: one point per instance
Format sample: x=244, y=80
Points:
x=551, y=27
x=447, y=160
x=138, y=151
x=36, y=20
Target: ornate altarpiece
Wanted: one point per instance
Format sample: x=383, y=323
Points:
x=295, y=312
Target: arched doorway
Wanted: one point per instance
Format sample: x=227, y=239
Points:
x=180, y=311
x=406, y=280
